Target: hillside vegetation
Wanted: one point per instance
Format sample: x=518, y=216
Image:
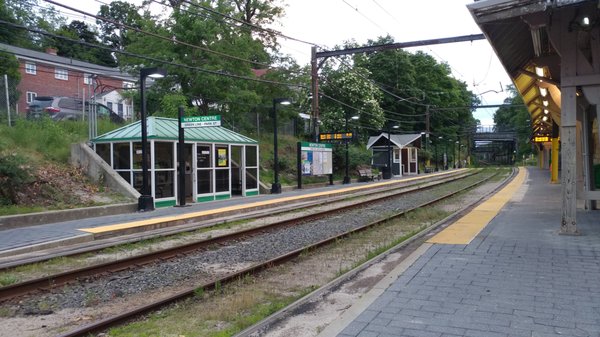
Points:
x=34, y=170
x=35, y=174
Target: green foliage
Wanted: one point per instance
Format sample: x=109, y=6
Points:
x=515, y=118
x=415, y=81
x=170, y=103
x=81, y=32
x=123, y=12
x=353, y=88
x=9, y=65
x=30, y=14
x=48, y=138
x=358, y=155
x=14, y=173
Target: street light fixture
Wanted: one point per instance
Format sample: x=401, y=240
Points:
x=146, y=201
x=276, y=187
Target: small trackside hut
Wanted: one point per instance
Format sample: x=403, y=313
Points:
x=403, y=150
x=219, y=163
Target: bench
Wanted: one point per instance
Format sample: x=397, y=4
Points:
x=429, y=169
x=366, y=174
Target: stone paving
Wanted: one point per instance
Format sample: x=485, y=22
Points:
x=518, y=277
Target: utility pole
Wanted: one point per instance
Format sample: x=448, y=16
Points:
x=350, y=51
x=315, y=90
x=428, y=163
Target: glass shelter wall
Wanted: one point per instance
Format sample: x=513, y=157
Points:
x=211, y=167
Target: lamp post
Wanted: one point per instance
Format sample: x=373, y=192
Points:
x=276, y=187
x=387, y=174
x=146, y=201
x=436, y=156
x=454, y=154
x=427, y=162
x=347, y=176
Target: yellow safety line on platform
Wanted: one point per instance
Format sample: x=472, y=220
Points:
x=154, y=221
x=466, y=228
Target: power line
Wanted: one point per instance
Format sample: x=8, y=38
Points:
x=143, y=57
x=364, y=16
x=378, y=85
x=386, y=12
x=267, y=30
x=164, y=38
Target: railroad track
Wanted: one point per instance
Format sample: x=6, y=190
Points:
x=56, y=280
x=96, y=246
x=193, y=224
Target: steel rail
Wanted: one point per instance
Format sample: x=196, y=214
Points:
x=104, y=324
x=60, y=279
x=176, y=227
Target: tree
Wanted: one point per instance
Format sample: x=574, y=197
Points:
x=416, y=84
x=261, y=13
x=9, y=65
x=33, y=15
x=348, y=93
x=112, y=34
x=80, y=31
x=207, y=41
x=515, y=118
x=10, y=35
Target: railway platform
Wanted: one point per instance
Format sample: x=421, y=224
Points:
x=29, y=239
x=516, y=276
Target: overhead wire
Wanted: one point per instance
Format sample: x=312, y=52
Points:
x=364, y=16
x=386, y=11
x=268, y=30
x=153, y=59
x=158, y=36
x=240, y=59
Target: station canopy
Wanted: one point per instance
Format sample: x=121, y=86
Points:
x=400, y=141
x=521, y=32
x=160, y=128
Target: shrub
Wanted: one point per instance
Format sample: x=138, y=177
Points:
x=14, y=173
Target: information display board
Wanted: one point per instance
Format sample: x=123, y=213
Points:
x=316, y=159
x=541, y=139
x=335, y=136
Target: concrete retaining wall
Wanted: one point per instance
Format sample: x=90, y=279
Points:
x=99, y=171
x=47, y=217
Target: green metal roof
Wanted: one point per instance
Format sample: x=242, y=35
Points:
x=167, y=129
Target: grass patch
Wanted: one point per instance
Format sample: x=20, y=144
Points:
x=216, y=314
x=8, y=279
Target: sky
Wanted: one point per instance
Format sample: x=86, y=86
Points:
x=332, y=22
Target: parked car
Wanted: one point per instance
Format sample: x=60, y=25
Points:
x=67, y=108
x=43, y=105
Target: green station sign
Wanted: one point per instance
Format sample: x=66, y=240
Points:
x=200, y=121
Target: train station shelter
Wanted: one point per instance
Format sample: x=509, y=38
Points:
x=402, y=148
x=551, y=51
x=220, y=163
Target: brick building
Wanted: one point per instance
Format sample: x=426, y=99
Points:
x=47, y=74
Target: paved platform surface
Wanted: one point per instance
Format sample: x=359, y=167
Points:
x=517, y=277
x=18, y=238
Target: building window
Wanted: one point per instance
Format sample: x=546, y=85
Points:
x=87, y=78
x=30, y=68
x=31, y=96
x=61, y=74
